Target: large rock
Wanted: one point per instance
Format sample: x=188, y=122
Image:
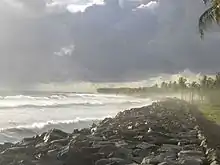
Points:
x=112, y=161
x=55, y=134
x=164, y=133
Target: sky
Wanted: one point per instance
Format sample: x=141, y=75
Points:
x=102, y=40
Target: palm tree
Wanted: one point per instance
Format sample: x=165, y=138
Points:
x=175, y=86
x=193, y=87
x=212, y=14
x=164, y=85
x=182, y=85
x=210, y=83
x=182, y=82
x=204, y=85
x=217, y=80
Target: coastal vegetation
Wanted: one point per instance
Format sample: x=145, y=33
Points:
x=207, y=88
x=205, y=92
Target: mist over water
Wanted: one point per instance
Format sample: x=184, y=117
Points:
x=55, y=54
x=26, y=115
x=91, y=87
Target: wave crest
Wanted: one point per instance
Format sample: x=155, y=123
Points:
x=13, y=134
x=65, y=100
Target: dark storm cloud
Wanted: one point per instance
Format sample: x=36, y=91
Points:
x=28, y=40
x=111, y=42
x=116, y=44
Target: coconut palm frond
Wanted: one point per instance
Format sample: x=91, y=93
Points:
x=210, y=1
x=206, y=1
x=207, y=18
x=217, y=14
x=211, y=15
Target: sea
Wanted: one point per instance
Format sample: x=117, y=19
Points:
x=29, y=113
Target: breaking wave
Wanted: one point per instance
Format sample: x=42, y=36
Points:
x=27, y=115
x=63, y=100
x=16, y=133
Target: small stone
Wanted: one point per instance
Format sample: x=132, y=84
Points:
x=145, y=146
x=121, y=143
x=55, y=134
x=192, y=161
x=64, y=153
x=170, y=147
x=52, y=153
x=214, y=163
x=108, y=149
x=153, y=159
x=190, y=153
x=112, y=161
x=203, y=143
x=163, y=163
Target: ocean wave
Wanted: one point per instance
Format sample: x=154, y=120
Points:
x=26, y=97
x=18, y=132
x=97, y=95
x=49, y=105
x=59, y=96
x=66, y=105
x=65, y=100
x=39, y=127
x=20, y=112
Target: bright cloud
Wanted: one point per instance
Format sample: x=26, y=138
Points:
x=81, y=8
x=65, y=51
x=151, y=5
x=75, y=6
x=98, y=2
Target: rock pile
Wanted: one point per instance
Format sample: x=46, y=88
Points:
x=164, y=133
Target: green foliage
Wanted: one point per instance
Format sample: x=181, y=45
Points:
x=207, y=89
x=211, y=15
x=212, y=112
x=182, y=82
x=205, y=93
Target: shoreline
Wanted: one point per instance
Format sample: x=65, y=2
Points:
x=28, y=115
x=169, y=132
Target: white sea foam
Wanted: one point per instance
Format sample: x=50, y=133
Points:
x=65, y=100
x=41, y=125
x=27, y=115
x=16, y=133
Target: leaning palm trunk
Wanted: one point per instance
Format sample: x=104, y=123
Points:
x=211, y=15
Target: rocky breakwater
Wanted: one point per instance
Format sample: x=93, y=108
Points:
x=164, y=133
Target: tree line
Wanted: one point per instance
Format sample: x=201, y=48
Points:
x=207, y=88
